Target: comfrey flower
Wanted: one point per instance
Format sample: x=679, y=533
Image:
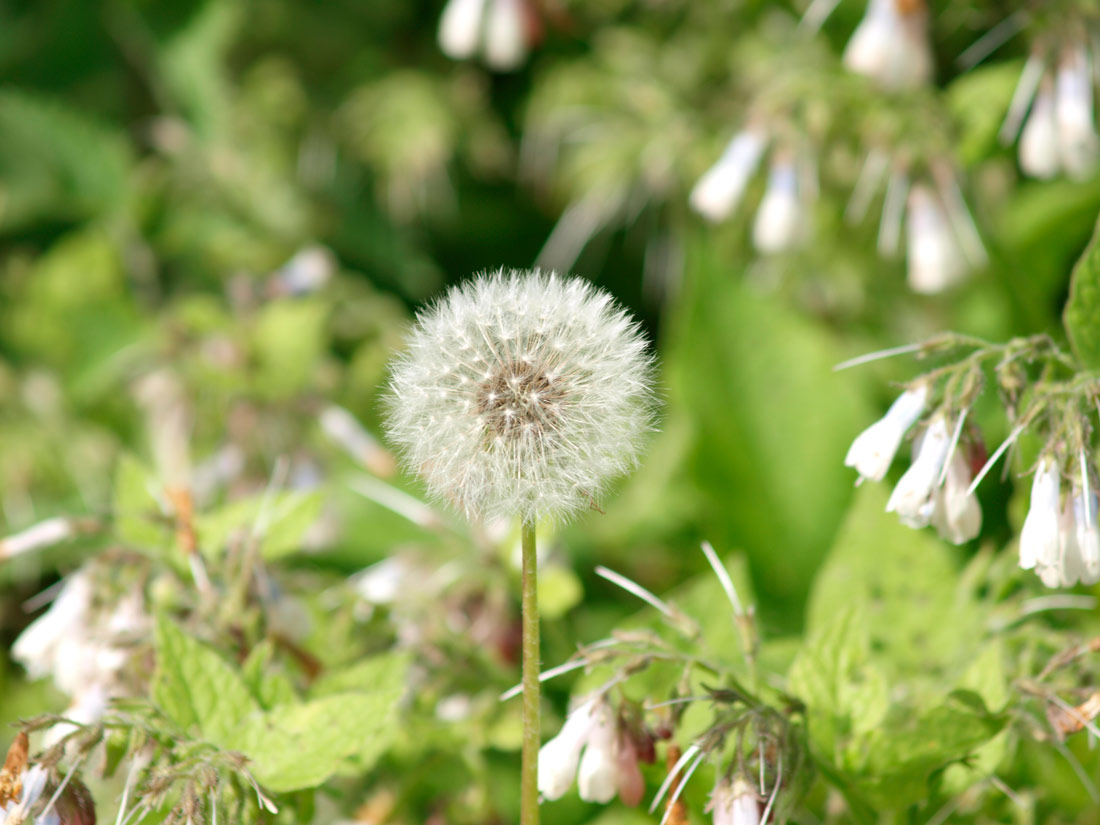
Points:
x=781, y=217
x=890, y=45
x=735, y=803
x=873, y=449
x=722, y=186
x=934, y=257
x=1059, y=131
x=956, y=513
x=499, y=28
x=595, y=749
x=1039, y=538
x=521, y=394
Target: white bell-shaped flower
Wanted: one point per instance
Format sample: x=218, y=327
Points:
x=873, y=449
x=559, y=757
x=957, y=515
x=505, y=35
x=1039, y=151
x=1078, y=142
x=460, y=28
x=780, y=220
x=721, y=187
x=735, y=803
x=1088, y=537
x=934, y=259
x=912, y=497
x=1039, y=537
x=890, y=45
x=598, y=776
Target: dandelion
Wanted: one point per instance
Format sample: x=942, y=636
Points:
x=521, y=395
x=873, y=450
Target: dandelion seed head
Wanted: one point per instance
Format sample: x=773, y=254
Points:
x=521, y=393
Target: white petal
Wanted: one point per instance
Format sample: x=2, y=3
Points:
x=958, y=516
x=722, y=186
x=912, y=497
x=598, y=777
x=1039, y=535
x=1039, y=142
x=460, y=28
x=780, y=221
x=873, y=450
x=1078, y=142
x=934, y=258
x=505, y=35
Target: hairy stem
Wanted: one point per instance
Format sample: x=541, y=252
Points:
x=529, y=790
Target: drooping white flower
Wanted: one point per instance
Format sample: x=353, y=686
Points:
x=873, y=449
x=934, y=259
x=780, y=219
x=1039, y=537
x=37, y=646
x=735, y=803
x=460, y=28
x=956, y=514
x=890, y=45
x=521, y=394
x=722, y=186
x=560, y=756
x=1087, y=536
x=598, y=774
x=1039, y=151
x=912, y=497
x=505, y=35
x=1078, y=143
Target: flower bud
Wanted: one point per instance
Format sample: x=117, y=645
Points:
x=631, y=783
x=735, y=803
x=935, y=261
x=720, y=189
x=780, y=220
x=873, y=449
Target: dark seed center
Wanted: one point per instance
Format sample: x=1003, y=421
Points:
x=519, y=398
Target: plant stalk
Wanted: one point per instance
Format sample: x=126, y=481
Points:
x=529, y=784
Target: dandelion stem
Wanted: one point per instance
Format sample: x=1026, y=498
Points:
x=529, y=790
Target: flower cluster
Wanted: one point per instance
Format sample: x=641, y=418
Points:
x=602, y=752
x=501, y=30
x=521, y=394
x=891, y=46
x=783, y=217
x=84, y=645
x=1060, y=538
x=936, y=488
x=1055, y=106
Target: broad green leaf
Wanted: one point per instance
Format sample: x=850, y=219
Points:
x=269, y=685
x=772, y=423
x=920, y=618
x=278, y=521
x=1082, y=314
x=196, y=688
x=381, y=670
x=978, y=100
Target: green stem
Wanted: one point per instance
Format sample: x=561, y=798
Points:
x=529, y=784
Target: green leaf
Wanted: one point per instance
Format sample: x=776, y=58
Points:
x=289, y=339
x=138, y=518
x=278, y=521
x=1082, y=314
x=772, y=422
x=196, y=688
x=383, y=669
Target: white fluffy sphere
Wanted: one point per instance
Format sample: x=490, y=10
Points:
x=521, y=393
